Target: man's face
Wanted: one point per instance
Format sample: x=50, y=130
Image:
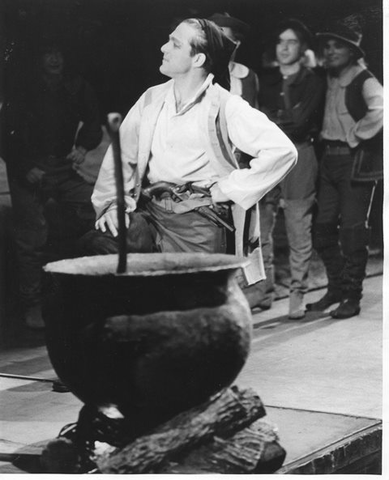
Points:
x=177, y=58
x=52, y=62
x=289, y=49
x=337, y=54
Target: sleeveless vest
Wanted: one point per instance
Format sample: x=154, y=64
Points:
x=368, y=158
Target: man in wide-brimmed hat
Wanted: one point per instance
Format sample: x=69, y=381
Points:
x=351, y=130
x=244, y=81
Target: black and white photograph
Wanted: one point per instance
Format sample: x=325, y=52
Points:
x=192, y=231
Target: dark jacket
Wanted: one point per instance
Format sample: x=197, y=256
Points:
x=298, y=110
x=52, y=120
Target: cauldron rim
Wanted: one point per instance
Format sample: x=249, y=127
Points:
x=147, y=264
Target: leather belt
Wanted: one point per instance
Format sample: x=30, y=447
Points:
x=336, y=148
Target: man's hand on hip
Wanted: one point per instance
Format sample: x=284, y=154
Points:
x=110, y=220
x=217, y=195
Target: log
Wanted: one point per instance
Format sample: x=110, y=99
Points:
x=223, y=415
x=60, y=456
x=254, y=449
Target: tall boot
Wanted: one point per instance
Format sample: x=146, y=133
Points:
x=326, y=243
x=354, y=242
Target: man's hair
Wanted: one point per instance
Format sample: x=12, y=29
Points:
x=301, y=31
x=215, y=45
x=49, y=46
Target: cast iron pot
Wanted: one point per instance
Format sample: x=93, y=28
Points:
x=154, y=341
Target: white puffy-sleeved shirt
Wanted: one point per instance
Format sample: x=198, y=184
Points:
x=186, y=154
x=177, y=151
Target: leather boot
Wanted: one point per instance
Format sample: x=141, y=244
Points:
x=255, y=296
x=326, y=243
x=330, y=298
x=354, y=242
x=348, y=308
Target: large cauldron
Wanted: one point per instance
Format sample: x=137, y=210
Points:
x=154, y=341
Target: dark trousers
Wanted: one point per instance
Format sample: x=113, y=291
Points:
x=156, y=229
x=341, y=233
x=61, y=204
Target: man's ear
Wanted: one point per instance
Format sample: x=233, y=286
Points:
x=199, y=60
x=304, y=48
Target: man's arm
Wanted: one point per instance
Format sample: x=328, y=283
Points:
x=372, y=122
x=273, y=154
x=104, y=193
x=90, y=133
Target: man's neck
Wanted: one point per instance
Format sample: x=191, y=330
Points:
x=339, y=72
x=52, y=81
x=185, y=87
x=287, y=70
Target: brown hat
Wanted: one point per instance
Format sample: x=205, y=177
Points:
x=225, y=20
x=347, y=33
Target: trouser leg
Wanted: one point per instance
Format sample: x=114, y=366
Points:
x=265, y=288
x=76, y=213
x=261, y=294
x=354, y=235
x=30, y=237
x=354, y=242
x=139, y=239
x=355, y=205
x=298, y=222
x=326, y=243
x=299, y=194
x=326, y=230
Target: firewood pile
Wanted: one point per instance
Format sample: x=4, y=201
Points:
x=226, y=434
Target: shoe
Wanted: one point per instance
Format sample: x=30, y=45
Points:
x=348, y=308
x=296, y=305
x=329, y=299
x=255, y=297
x=59, y=387
x=33, y=318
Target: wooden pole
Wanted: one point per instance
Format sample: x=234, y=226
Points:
x=113, y=123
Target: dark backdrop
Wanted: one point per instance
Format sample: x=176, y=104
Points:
x=116, y=44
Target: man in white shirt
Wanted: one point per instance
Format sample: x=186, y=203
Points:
x=169, y=135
